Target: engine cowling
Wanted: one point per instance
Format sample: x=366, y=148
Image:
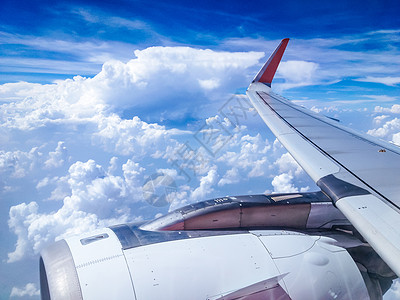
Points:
x=125, y=262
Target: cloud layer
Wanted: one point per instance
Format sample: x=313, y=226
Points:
x=77, y=152
x=86, y=162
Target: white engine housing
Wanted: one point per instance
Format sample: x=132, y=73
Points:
x=125, y=262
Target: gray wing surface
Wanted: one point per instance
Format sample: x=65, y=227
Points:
x=359, y=173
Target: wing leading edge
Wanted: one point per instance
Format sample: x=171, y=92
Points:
x=358, y=172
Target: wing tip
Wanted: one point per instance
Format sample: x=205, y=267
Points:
x=267, y=72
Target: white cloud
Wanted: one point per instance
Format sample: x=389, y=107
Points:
x=286, y=163
x=290, y=175
x=206, y=186
x=58, y=157
x=396, y=139
x=251, y=155
x=84, y=57
x=316, y=109
x=209, y=84
x=133, y=137
x=17, y=163
x=95, y=198
x=159, y=77
x=387, y=130
x=35, y=230
x=16, y=91
x=79, y=115
x=379, y=119
x=394, y=109
x=231, y=176
x=112, y=21
x=29, y=289
x=180, y=198
x=283, y=183
x=387, y=127
x=391, y=81
x=297, y=73
x=134, y=176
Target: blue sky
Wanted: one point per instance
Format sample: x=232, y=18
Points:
x=97, y=96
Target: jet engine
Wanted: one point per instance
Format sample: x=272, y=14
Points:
x=220, y=249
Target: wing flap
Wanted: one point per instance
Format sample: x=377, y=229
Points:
x=378, y=223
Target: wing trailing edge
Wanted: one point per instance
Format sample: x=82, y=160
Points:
x=267, y=72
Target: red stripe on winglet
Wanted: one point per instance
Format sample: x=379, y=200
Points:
x=268, y=71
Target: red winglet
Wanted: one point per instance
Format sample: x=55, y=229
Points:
x=267, y=72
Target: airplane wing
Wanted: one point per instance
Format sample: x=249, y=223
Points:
x=359, y=173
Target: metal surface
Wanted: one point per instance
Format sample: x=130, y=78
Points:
x=325, y=215
x=130, y=236
x=101, y=267
x=58, y=276
x=377, y=224
x=199, y=268
x=316, y=268
x=355, y=153
x=315, y=163
x=337, y=189
x=288, y=210
x=267, y=72
x=222, y=266
x=266, y=289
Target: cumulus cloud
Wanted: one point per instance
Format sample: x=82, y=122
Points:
x=133, y=137
x=159, y=77
x=286, y=163
x=18, y=163
x=297, y=73
x=379, y=119
x=58, y=157
x=29, y=289
x=289, y=172
x=386, y=130
x=206, y=185
x=283, y=184
x=394, y=109
x=251, y=155
x=178, y=72
x=95, y=198
x=387, y=124
x=180, y=197
x=231, y=176
x=35, y=230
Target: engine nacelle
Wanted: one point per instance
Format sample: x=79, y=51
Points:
x=290, y=210
x=125, y=262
